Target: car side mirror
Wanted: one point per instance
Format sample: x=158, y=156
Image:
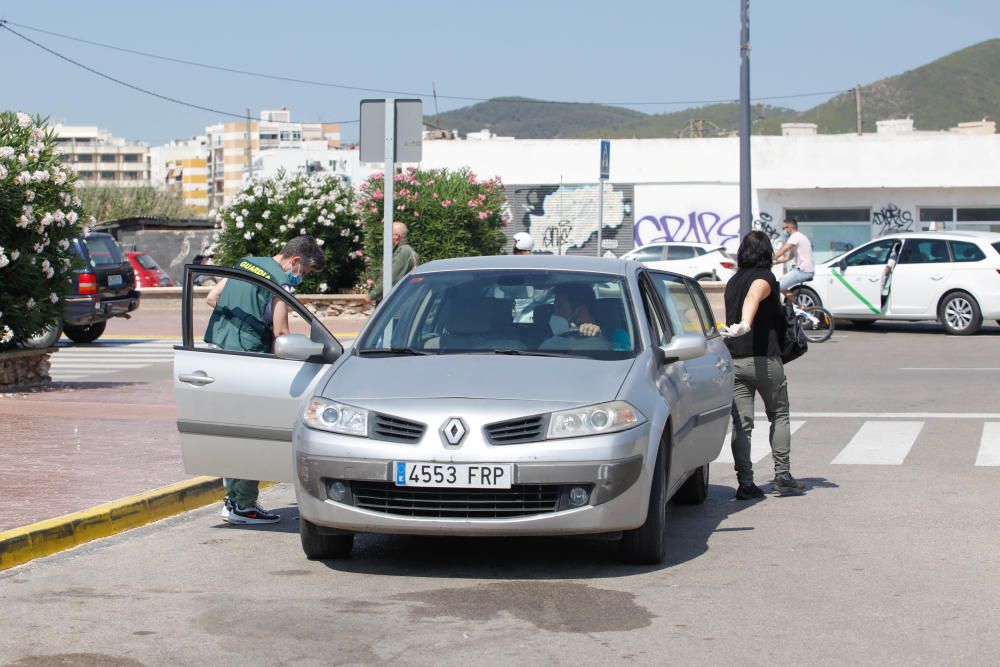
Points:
x=683, y=348
x=297, y=347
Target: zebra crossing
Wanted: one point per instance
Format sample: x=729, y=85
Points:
x=878, y=441
x=75, y=362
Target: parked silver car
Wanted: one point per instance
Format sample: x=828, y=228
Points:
x=486, y=396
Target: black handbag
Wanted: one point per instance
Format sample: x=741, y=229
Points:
x=793, y=340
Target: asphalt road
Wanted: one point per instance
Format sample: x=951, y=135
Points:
x=889, y=557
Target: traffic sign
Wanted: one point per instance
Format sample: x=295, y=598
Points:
x=605, y=159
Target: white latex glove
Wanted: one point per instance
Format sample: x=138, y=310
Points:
x=739, y=329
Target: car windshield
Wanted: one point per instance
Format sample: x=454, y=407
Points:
x=103, y=250
x=146, y=262
x=515, y=312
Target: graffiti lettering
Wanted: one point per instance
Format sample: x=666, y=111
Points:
x=697, y=227
x=765, y=223
x=891, y=219
x=557, y=236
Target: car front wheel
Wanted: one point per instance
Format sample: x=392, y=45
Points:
x=647, y=544
x=87, y=333
x=317, y=545
x=960, y=314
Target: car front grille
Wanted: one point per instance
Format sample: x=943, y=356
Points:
x=395, y=429
x=526, y=429
x=520, y=500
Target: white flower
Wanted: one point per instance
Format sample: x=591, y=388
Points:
x=248, y=236
x=53, y=297
x=14, y=254
x=3, y=172
x=41, y=175
x=71, y=217
x=29, y=195
x=258, y=225
x=22, y=160
x=47, y=219
x=302, y=231
x=59, y=178
x=320, y=242
x=3, y=259
x=64, y=244
x=265, y=215
x=245, y=212
x=24, y=222
x=67, y=198
x=23, y=119
x=322, y=287
x=6, y=152
x=23, y=178
x=344, y=231
x=283, y=228
x=6, y=335
x=31, y=303
x=239, y=224
x=45, y=264
x=38, y=247
x=212, y=214
x=49, y=273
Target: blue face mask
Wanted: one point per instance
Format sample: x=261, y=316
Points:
x=293, y=279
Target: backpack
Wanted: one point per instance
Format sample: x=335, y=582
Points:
x=793, y=340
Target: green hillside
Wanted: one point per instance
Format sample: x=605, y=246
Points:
x=962, y=86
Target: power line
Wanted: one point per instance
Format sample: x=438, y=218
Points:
x=145, y=91
x=327, y=84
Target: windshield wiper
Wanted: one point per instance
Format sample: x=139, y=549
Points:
x=530, y=353
x=393, y=350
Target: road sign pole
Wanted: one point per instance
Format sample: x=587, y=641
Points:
x=387, y=201
x=746, y=206
x=600, y=213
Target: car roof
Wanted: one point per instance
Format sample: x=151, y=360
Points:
x=608, y=265
x=989, y=237
x=684, y=243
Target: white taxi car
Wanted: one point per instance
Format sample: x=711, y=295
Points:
x=949, y=277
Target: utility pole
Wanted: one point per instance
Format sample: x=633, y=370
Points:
x=249, y=149
x=746, y=207
x=857, y=104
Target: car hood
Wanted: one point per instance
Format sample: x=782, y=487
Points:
x=478, y=376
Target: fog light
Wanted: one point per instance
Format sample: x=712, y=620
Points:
x=336, y=490
x=578, y=496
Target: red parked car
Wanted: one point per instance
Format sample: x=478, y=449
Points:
x=147, y=272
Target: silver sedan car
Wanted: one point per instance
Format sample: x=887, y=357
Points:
x=485, y=396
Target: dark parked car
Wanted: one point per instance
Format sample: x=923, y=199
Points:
x=103, y=287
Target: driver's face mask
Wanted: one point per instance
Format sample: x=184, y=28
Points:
x=559, y=324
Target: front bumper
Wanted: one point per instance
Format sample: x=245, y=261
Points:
x=617, y=488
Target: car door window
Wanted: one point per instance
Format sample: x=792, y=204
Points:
x=682, y=312
x=660, y=332
x=966, y=252
x=924, y=251
x=241, y=317
x=704, y=310
x=677, y=252
x=871, y=255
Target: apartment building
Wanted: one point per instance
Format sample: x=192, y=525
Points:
x=101, y=158
x=233, y=146
x=182, y=166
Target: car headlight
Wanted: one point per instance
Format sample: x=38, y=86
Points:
x=327, y=415
x=594, y=420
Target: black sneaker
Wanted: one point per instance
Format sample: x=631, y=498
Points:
x=748, y=491
x=784, y=481
x=248, y=515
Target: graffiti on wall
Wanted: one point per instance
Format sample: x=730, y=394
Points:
x=692, y=227
x=765, y=223
x=562, y=219
x=891, y=219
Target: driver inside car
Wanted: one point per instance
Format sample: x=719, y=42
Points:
x=572, y=314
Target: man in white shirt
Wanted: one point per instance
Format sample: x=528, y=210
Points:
x=797, y=249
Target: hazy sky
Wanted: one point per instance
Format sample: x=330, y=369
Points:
x=627, y=50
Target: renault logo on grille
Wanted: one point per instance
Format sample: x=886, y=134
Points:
x=453, y=431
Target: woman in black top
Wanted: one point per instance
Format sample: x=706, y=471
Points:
x=754, y=327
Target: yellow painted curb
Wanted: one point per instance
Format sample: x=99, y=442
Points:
x=20, y=545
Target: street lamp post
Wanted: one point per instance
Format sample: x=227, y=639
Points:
x=746, y=208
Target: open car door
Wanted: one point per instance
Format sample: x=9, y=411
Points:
x=236, y=409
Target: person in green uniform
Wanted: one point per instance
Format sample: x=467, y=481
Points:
x=404, y=260
x=247, y=318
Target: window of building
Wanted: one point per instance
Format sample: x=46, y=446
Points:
x=107, y=175
x=285, y=136
x=130, y=157
x=829, y=214
x=109, y=157
x=86, y=175
x=268, y=136
x=932, y=214
x=978, y=215
x=84, y=157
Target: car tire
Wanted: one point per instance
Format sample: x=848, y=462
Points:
x=317, y=545
x=960, y=314
x=863, y=324
x=807, y=298
x=47, y=338
x=647, y=544
x=87, y=333
x=694, y=491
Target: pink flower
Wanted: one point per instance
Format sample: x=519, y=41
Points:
x=446, y=203
x=434, y=195
x=473, y=203
x=481, y=197
x=363, y=187
x=472, y=179
x=377, y=194
x=483, y=215
x=416, y=214
x=400, y=207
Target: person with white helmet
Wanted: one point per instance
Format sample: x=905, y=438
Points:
x=523, y=243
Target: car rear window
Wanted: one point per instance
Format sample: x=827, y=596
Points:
x=146, y=262
x=996, y=246
x=103, y=250
x=966, y=252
